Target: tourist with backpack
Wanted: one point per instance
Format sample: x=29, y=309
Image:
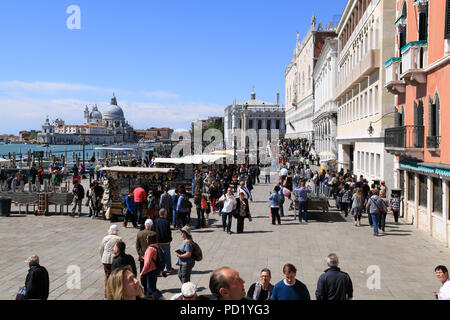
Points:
x=183, y=208
x=154, y=263
x=185, y=256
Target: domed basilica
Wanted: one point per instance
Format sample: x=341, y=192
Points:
x=113, y=119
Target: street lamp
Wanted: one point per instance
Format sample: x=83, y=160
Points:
x=370, y=130
x=83, y=141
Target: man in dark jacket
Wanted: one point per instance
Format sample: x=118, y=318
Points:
x=78, y=193
x=334, y=284
x=122, y=259
x=166, y=203
x=37, y=283
x=162, y=228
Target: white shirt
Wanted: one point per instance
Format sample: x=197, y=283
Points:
x=444, y=292
x=229, y=203
x=283, y=172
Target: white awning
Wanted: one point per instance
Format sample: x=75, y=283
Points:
x=136, y=170
x=195, y=159
x=114, y=149
x=4, y=160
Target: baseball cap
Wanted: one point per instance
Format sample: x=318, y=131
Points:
x=188, y=289
x=148, y=222
x=114, y=227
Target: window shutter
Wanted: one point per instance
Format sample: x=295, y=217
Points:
x=438, y=116
x=447, y=20
x=396, y=118
x=430, y=117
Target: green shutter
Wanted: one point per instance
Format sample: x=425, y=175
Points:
x=431, y=114
x=437, y=111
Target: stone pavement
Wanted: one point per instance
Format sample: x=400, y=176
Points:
x=405, y=256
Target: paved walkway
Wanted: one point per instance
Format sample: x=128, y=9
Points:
x=405, y=256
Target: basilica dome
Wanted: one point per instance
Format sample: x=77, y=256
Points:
x=114, y=111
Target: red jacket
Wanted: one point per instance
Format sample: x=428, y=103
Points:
x=139, y=195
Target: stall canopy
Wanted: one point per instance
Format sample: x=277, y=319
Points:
x=3, y=161
x=115, y=149
x=194, y=159
x=136, y=170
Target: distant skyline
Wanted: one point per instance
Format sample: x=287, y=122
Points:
x=168, y=63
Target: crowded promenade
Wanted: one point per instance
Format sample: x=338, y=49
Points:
x=399, y=263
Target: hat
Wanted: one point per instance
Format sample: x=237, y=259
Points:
x=148, y=222
x=186, y=229
x=114, y=227
x=188, y=289
x=382, y=182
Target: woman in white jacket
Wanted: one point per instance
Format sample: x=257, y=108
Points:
x=107, y=249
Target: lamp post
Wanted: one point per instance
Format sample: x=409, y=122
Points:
x=83, y=141
x=370, y=130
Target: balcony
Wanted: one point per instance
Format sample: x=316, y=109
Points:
x=365, y=67
x=415, y=60
x=393, y=69
x=433, y=143
x=407, y=141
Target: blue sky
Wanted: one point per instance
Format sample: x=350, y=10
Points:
x=168, y=62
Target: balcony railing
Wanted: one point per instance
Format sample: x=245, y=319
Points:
x=433, y=142
x=393, y=69
x=414, y=60
x=407, y=137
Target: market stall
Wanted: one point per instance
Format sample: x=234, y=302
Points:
x=120, y=181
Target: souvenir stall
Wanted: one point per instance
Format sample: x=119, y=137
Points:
x=120, y=181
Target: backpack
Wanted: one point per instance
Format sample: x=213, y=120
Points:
x=186, y=203
x=346, y=196
x=160, y=261
x=197, y=253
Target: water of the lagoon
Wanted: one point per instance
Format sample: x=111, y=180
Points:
x=56, y=150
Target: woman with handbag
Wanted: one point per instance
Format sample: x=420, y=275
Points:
x=242, y=211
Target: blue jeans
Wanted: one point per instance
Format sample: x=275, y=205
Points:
x=382, y=220
x=166, y=249
x=267, y=178
x=303, y=206
x=375, y=217
x=224, y=220
x=139, y=207
x=174, y=214
x=152, y=277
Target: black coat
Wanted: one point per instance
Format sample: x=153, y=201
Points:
x=37, y=283
x=124, y=260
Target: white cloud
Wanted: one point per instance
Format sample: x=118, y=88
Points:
x=50, y=87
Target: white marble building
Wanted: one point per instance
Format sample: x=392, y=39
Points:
x=259, y=115
x=366, y=41
x=299, y=91
x=325, y=110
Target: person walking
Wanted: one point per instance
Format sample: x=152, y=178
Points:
x=214, y=195
x=141, y=247
x=78, y=193
x=200, y=212
x=383, y=212
x=267, y=174
x=275, y=204
x=374, y=207
x=357, y=206
x=165, y=202
x=395, y=206
x=130, y=211
x=261, y=290
x=302, y=195
x=242, y=211
x=346, y=197
x=162, y=228
x=152, y=205
x=37, y=282
x=107, y=249
x=290, y=288
x=229, y=205
x=185, y=256
x=150, y=268
x=175, y=196
x=122, y=259
x=334, y=284
x=139, y=195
